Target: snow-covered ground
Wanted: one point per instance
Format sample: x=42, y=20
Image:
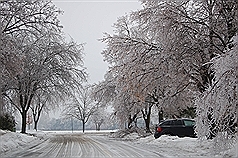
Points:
x=168, y=146
x=173, y=146
x=14, y=140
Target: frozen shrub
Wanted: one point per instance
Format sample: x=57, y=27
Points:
x=7, y=122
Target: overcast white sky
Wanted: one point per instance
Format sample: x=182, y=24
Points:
x=86, y=21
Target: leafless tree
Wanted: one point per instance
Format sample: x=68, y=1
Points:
x=167, y=46
x=81, y=105
x=204, y=30
x=141, y=63
x=172, y=47
x=47, y=61
x=36, y=107
x=44, y=101
x=99, y=117
x=19, y=19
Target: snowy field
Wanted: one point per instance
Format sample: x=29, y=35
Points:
x=168, y=146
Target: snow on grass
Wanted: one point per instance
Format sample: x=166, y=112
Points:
x=11, y=140
x=173, y=146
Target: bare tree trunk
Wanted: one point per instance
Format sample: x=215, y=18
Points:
x=98, y=127
x=147, y=125
x=36, y=119
x=83, y=121
x=35, y=125
x=129, y=125
x=131, y=120
x=146, y=116
x=36, y=116
x=23, y=125
x=25, y=105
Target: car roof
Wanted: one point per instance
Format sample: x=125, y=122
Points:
x=188, y=119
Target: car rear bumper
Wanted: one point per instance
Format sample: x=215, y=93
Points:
x=157, y=135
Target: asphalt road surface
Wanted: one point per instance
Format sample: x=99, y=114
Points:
x=82, y=145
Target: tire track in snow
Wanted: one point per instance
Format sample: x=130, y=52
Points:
x=83, y=145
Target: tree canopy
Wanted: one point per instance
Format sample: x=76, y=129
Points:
x=168, y=51
x=32, y=35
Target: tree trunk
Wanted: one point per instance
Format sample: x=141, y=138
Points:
x=146, y=116
x=129, y=125
x=161, y=115
x=147, y=124
x=131, y=120
x=36, y=118
x=35, y=125
x=83, y=125
x=23, y=125
x=97, y=127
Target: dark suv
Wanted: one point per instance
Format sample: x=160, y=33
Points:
x=176, y=127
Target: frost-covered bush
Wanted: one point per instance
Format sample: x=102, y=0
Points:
x=217, y=106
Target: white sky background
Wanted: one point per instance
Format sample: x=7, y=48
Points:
x=86, y=21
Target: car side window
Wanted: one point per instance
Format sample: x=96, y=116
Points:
x=177, y=122
x=189, y=123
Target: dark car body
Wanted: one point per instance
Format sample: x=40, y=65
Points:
x=176, y=127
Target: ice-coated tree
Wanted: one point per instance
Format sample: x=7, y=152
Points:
x=19, y=19
x=103, y=92
x=37, y=106
x=143, y=58
x=208, y=27
x=47, y=61
x=45, y=101
x=203, y=28
x=99, y=117
x=217, y=107
x=51, y=68
x=81, y=105
x=167, y=46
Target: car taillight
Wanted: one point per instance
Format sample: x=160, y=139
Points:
x=159, y=129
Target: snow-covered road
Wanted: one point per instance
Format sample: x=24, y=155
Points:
x=81, y=145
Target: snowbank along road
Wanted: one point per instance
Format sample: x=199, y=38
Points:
x=82, y=145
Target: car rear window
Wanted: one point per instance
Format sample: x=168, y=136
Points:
x=189, y=123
